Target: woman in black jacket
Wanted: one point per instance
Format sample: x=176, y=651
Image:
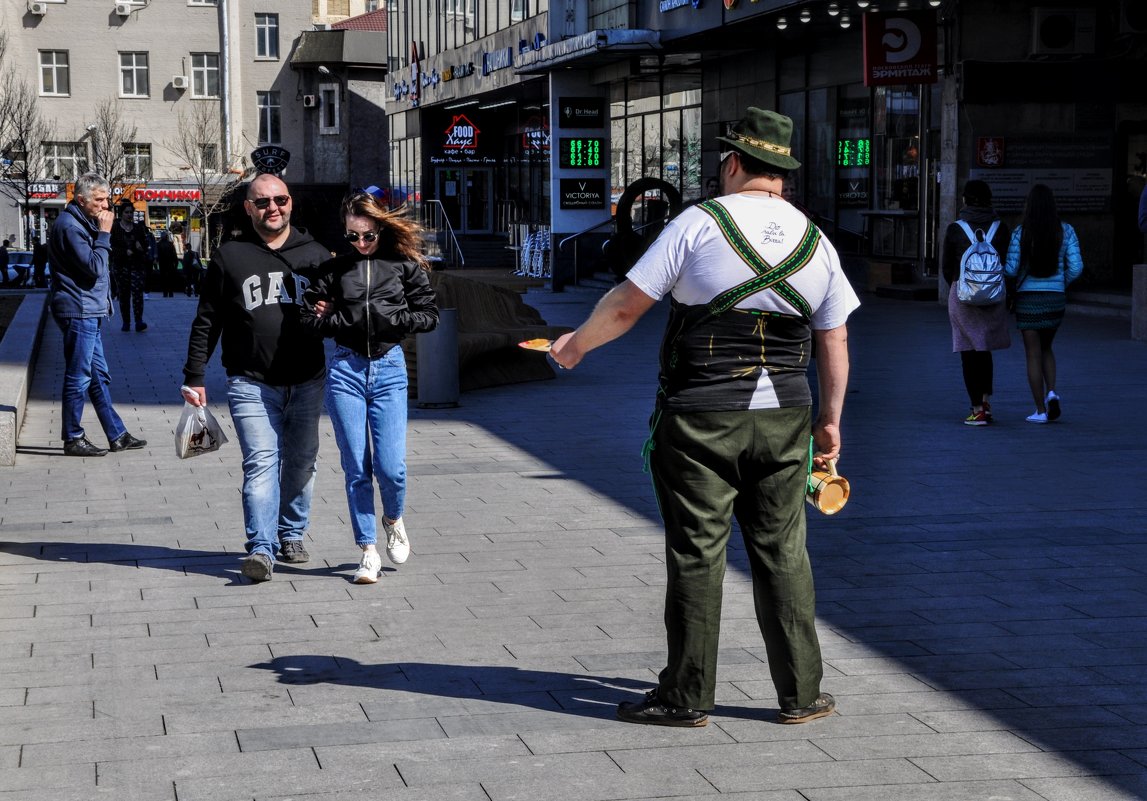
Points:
x=368, y=301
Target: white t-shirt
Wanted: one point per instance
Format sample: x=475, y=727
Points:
x=755, y=355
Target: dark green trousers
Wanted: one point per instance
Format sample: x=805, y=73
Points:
x=709, y=467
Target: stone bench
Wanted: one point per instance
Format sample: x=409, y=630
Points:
x=17, y=360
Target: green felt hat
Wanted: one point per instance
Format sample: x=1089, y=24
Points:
x=764, y=135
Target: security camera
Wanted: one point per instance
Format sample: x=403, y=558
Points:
x=323, y=70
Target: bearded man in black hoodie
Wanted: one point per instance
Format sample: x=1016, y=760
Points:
x=250, y=298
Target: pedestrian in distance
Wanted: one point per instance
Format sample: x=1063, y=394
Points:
x=754, y=284
x=368, y=301
x=132, y=263
x=250, y=301
x=1043, y=257
x=168, y=274
x=39, y=264
x=80, y=251
x=976, y=330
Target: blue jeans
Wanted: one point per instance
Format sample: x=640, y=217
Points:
x=278, y=430
x=86, y=374
x=366, y=399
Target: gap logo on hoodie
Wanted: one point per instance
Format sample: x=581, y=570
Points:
x=276, y=291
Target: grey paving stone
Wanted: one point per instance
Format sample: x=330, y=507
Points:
x=1102, y=788
x=1029, y=721
x=951, y=791
x=917, y=745
x=1026, y=766
x=347, y=733
x=48, y=779
x=468, y=792
x=116, y=749
x=676, y=781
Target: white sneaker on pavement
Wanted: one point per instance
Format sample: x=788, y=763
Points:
x=368, y=568
x=397, y=544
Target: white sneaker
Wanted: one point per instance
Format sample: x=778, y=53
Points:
x=368, y=568
x=1037, y=417
x=397, y=545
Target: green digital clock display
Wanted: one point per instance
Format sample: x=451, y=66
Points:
x=580, y=152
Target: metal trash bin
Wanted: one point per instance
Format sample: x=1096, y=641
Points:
x=437, y=363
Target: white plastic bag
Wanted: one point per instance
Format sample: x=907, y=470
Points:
x=198, y=432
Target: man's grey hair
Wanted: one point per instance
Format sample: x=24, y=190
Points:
x=90, y=181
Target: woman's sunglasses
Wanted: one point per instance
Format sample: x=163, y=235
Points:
x=353, y=236
x=265, y=202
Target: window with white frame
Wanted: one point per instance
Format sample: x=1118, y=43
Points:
x=267, y=36
x=270, y=132
x=518, y=10
x=373, y=5
x=205, y=75
x=328, y=108
x=65, y=160
x=137, y=160
x=133, y=75
x=54, y=79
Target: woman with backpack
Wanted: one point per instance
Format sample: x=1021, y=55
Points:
x=977, y=330
x=1044, y=258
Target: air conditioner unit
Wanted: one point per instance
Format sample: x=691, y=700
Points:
x=1132, y=16
x=310, y=101
x=124, y=9
x=38, y=9
x=1063, y=31
x=178, y=81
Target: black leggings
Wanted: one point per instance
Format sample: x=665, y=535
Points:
x=977, y=366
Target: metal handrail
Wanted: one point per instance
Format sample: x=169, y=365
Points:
x=441, y=222
x=594, y=227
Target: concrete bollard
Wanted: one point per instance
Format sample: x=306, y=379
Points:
x=438, y=363
x=1139, y=302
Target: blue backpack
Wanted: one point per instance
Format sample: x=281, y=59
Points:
x=981, y=281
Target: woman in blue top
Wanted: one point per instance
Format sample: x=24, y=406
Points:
x=1044, y=258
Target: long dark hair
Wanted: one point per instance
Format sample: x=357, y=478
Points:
x=1041, y=235
x=397, y=232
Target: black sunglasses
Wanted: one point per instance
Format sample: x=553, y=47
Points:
x=353, y=236
x=265, y=202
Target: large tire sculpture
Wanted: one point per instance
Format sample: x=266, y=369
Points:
x=625, y=247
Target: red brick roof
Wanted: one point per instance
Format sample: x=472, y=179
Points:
x=371, y=21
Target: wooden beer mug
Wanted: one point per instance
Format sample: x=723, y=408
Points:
x=826, y=491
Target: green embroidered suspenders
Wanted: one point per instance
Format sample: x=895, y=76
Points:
x=767, y=275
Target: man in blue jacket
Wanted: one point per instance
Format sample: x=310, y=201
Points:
x=80, y=247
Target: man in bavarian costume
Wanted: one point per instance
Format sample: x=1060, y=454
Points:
x=753, y=285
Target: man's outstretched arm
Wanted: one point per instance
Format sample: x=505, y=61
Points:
x=614, y=314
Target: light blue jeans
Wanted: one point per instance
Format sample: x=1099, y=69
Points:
x=366, y=399
x=86, y=376
x=278, y=430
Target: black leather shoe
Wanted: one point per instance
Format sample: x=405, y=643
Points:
x=821, y=707
x=82, y=447
x=126, y=442
x=652, y=709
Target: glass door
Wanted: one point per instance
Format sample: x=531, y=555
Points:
x=465, y=193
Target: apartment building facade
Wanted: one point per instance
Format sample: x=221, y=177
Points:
x=192, y=86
